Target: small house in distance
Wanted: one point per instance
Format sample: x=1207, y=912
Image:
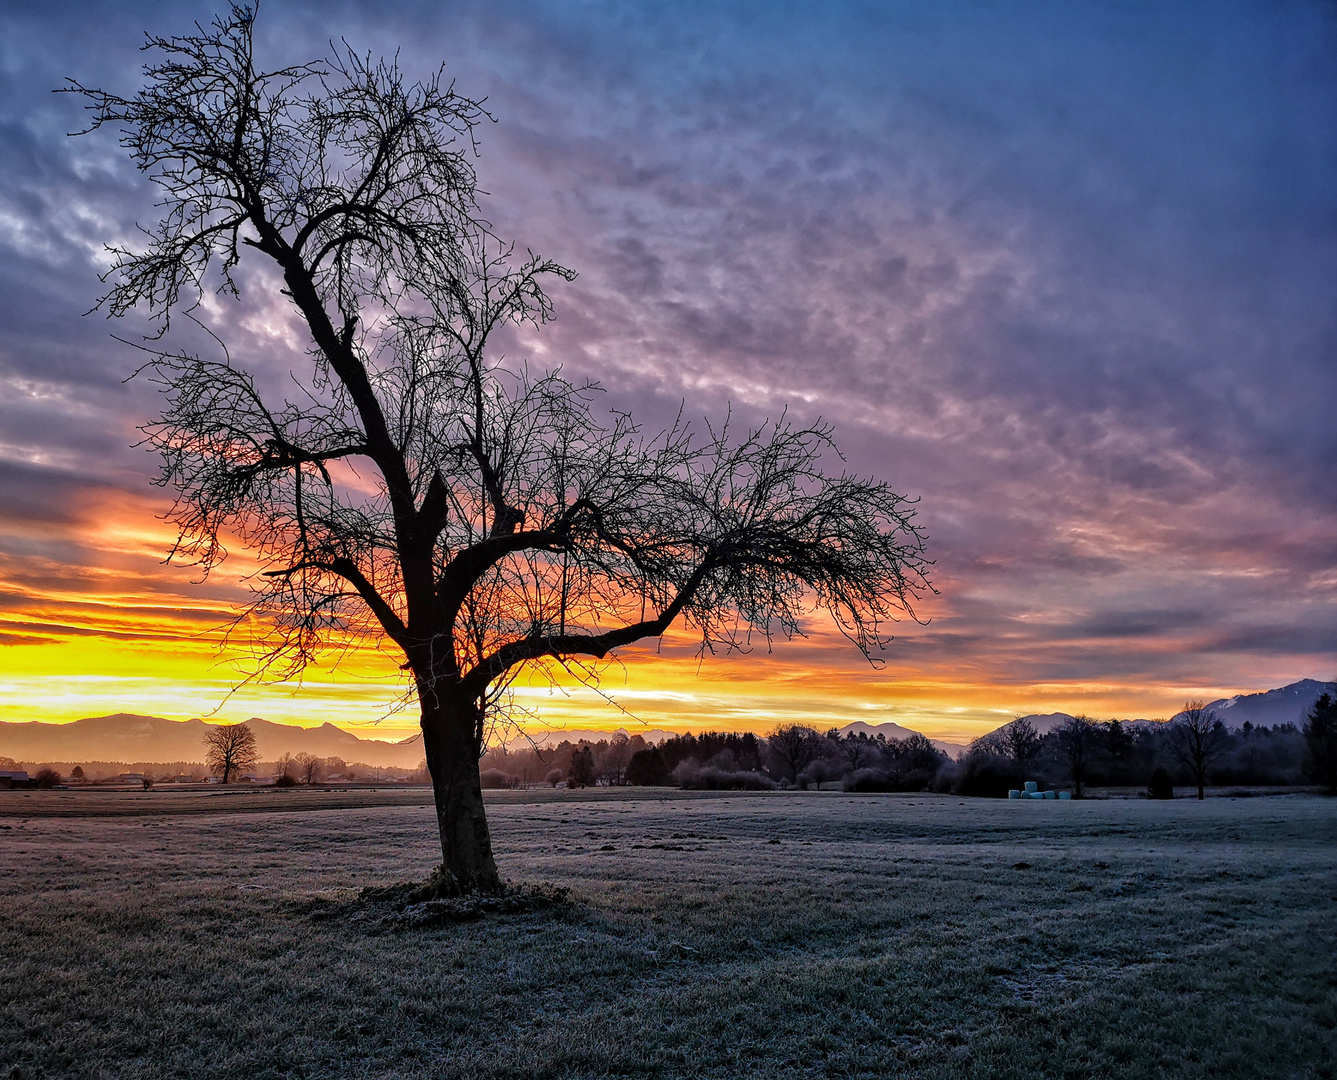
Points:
x=16, y=778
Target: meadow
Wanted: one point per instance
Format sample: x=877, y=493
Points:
x=708, y=934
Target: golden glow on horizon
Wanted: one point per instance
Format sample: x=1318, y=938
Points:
x=108, y=628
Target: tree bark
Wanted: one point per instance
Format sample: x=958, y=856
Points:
x=451, y=748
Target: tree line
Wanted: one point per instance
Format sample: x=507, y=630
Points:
x=1194, y=750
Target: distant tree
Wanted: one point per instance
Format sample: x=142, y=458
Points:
x=610, y=766
x=647, y=767
x=1320, y=733
x=284, y=770
x=8, y=764
x=993, y=744
x=582, y=767
x=230, y=749
x=553, y=777
x=307, y=767
x=793, y=747
x=147, y=781
x=46, y=778
x=915, y=759
x=414, y=485
x=1197, y=739
x=1076, y=740
x=77, y=773
x=1023, y=742
x=334, y=766
x=856, y=748
x=1119, y=748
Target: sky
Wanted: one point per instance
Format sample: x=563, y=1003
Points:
x=1064, y=272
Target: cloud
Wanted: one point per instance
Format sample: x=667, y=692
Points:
x=1065, y=272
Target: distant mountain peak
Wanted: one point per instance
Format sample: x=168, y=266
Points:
x=129, y=737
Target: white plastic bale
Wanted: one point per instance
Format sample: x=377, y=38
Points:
x=1031, y=786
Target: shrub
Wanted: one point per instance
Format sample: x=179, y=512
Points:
x=285, y=780
x=1160, y=786
x=46, y=778
x=494, y=779
x=820, y=772
x=988, y=775
x=870, y=780
x=893, y=780
x=554, y=777
x=693, y=776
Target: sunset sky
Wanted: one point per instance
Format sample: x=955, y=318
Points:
x=1065, y=272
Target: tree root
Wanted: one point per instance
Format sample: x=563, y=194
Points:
x=440, y=900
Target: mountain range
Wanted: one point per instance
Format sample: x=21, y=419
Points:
x=1284, y=705
x=126, y=737
x=130, y=738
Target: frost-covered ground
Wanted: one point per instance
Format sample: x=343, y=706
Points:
x=712, y=934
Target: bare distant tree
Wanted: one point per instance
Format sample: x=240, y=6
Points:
x=856, y=748
x=1022, y=741
x=794, y=747
x=480, y=516
x=230, y=749
x=1078, y=741
x=1198, y=738
x=307, y=767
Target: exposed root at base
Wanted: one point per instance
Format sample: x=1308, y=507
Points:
x=410, y=905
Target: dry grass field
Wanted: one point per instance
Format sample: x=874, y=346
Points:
x=199, y=934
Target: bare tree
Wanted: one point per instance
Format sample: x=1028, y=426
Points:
x=230, y=749
x=1198, y=738
x=478, y=515
x=284, y=770
x=794, y=747
x=856, y=747
x=307, y=767
x=1078, y=742
x=1022, y=741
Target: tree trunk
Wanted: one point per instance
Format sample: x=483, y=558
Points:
x=452, y=760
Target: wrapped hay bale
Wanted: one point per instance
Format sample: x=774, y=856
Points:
x=1031, y=787
x=1014, y=794
x=1051, y=794
x=1065, y=795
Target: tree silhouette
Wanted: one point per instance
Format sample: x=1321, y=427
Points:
x=480, y=516
x=1198, y=738
x=1320, y=732
x=793, y=747
x=230, y=749
x=1022, y=741
x=1077, y=739
x=307, y=767
x=582, y=767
